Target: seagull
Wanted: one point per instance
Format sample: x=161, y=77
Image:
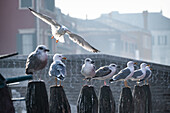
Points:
x=58, y=32
x=88, y=69
x=148, y=74
x=58, y=68
x=37, y=60
x=140, y=73
x=124, y=74
x=105, y=72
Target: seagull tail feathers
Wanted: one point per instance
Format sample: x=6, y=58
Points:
x=88, y=79
x=112, y=80
x=61, y=77
x=27, y=72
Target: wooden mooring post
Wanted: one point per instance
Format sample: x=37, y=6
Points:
x=6, y=105
x=106, y=100
x=36, y=98
x=139, y=99
x=148, y=102
x=87, y=100
x=126, y=101
x=58, y=100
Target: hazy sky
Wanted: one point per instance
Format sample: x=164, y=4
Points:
x=94, y=8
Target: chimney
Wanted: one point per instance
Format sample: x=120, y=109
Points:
x=145, y=20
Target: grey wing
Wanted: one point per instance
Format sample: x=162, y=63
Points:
x=45, y=18
x=81, y=42
x=146, y=76
x=103, y=71
x=122, y=74
x=32, y=63
x=137, y=74
x=56, y=69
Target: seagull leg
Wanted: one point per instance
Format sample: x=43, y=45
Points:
x=52, y=37
x=126, y=85
x=56, y=81
x=104, y=82
x=137, y=82
x=147, y=82
x=144, y=82
x=60, y=82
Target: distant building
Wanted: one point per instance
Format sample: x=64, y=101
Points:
x=158, y=25
x=114, y=37
x=21, y=31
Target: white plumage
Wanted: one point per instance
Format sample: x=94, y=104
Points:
x=124, y=74
x=105, y=72
x=58, y=68
x=88, y=69
x=58, y=32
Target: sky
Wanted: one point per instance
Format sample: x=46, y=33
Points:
x=94, y=8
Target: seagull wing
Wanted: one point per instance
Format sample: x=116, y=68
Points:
x=81, y=42
x=122, y=74
x=102, y=71
x=57, y=69
x=137, y=73
x=33, y=63
x=148, y=73
x=45, y=18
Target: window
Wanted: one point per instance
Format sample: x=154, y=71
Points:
x=49, y=4
x=126, y=46
x=153, y=41
x=24, y=4
x=27, y=42
x=162, y=40
x=146, y=42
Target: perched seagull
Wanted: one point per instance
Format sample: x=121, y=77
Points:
x=148, y=74
x=37, y=60
x=58, y=68
x=58, y=32
x=140, y=73
x=105, y=72
x=124, y=74
x=88, y=69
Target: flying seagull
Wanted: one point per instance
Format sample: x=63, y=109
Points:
x=37, y=60
x=140, y=73
x=88, y=69
x=124, y=74
x=148, y=74
x=58, y=32
x=105, y=72
x=58, y=68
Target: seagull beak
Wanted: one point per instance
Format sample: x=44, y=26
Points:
x=135, y=63
x=47, y=50
x=92, y=62
x=64, y=58
x=148, y=65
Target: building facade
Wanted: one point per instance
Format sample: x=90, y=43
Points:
x=159, y=27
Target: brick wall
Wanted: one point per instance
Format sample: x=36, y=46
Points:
x=159, y=83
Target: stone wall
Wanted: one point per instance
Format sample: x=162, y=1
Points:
x=159, y=83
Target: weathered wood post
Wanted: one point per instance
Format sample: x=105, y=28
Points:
x=36, y=98
x=139, y=99
x=148, y=103
x=6, y=105
x=87, y=100
x=106, y=100
x=58, y=100
x=126, y=101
